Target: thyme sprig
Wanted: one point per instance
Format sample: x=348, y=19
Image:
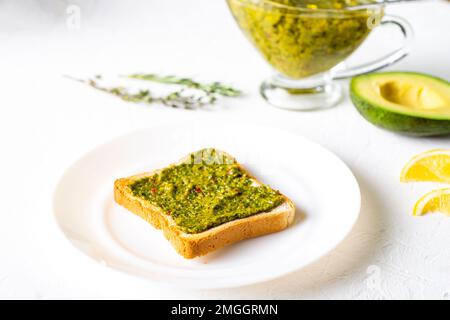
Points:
x=194, y=95
x=209, y=88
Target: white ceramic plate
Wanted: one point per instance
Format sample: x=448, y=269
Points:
x=324, y=190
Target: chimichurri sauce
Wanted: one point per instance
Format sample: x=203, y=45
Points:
x=298, y=38
x=205, y=191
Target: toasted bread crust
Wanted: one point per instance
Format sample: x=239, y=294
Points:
x=199, y=244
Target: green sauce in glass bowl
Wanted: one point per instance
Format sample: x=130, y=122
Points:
x=301, y=38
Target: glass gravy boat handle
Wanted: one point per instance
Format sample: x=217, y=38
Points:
x=387, y=60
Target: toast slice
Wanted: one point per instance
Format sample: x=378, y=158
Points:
x=194, y=244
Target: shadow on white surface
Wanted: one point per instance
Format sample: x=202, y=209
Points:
x=354, y=253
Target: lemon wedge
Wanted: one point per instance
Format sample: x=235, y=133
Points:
x=430, y=166
x=435, y=201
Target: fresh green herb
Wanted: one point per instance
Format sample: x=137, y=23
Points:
x=193, y=96
x=208, y=88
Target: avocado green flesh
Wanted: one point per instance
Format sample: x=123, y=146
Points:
x=411, y=103
x=205, y=191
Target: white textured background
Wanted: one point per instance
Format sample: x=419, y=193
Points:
x=47, y=122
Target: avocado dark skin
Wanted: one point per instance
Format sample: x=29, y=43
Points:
x=412, y=126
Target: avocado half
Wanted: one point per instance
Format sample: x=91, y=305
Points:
x=406, y=102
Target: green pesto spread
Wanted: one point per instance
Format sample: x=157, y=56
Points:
x=301, y=38
x=206, y=190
